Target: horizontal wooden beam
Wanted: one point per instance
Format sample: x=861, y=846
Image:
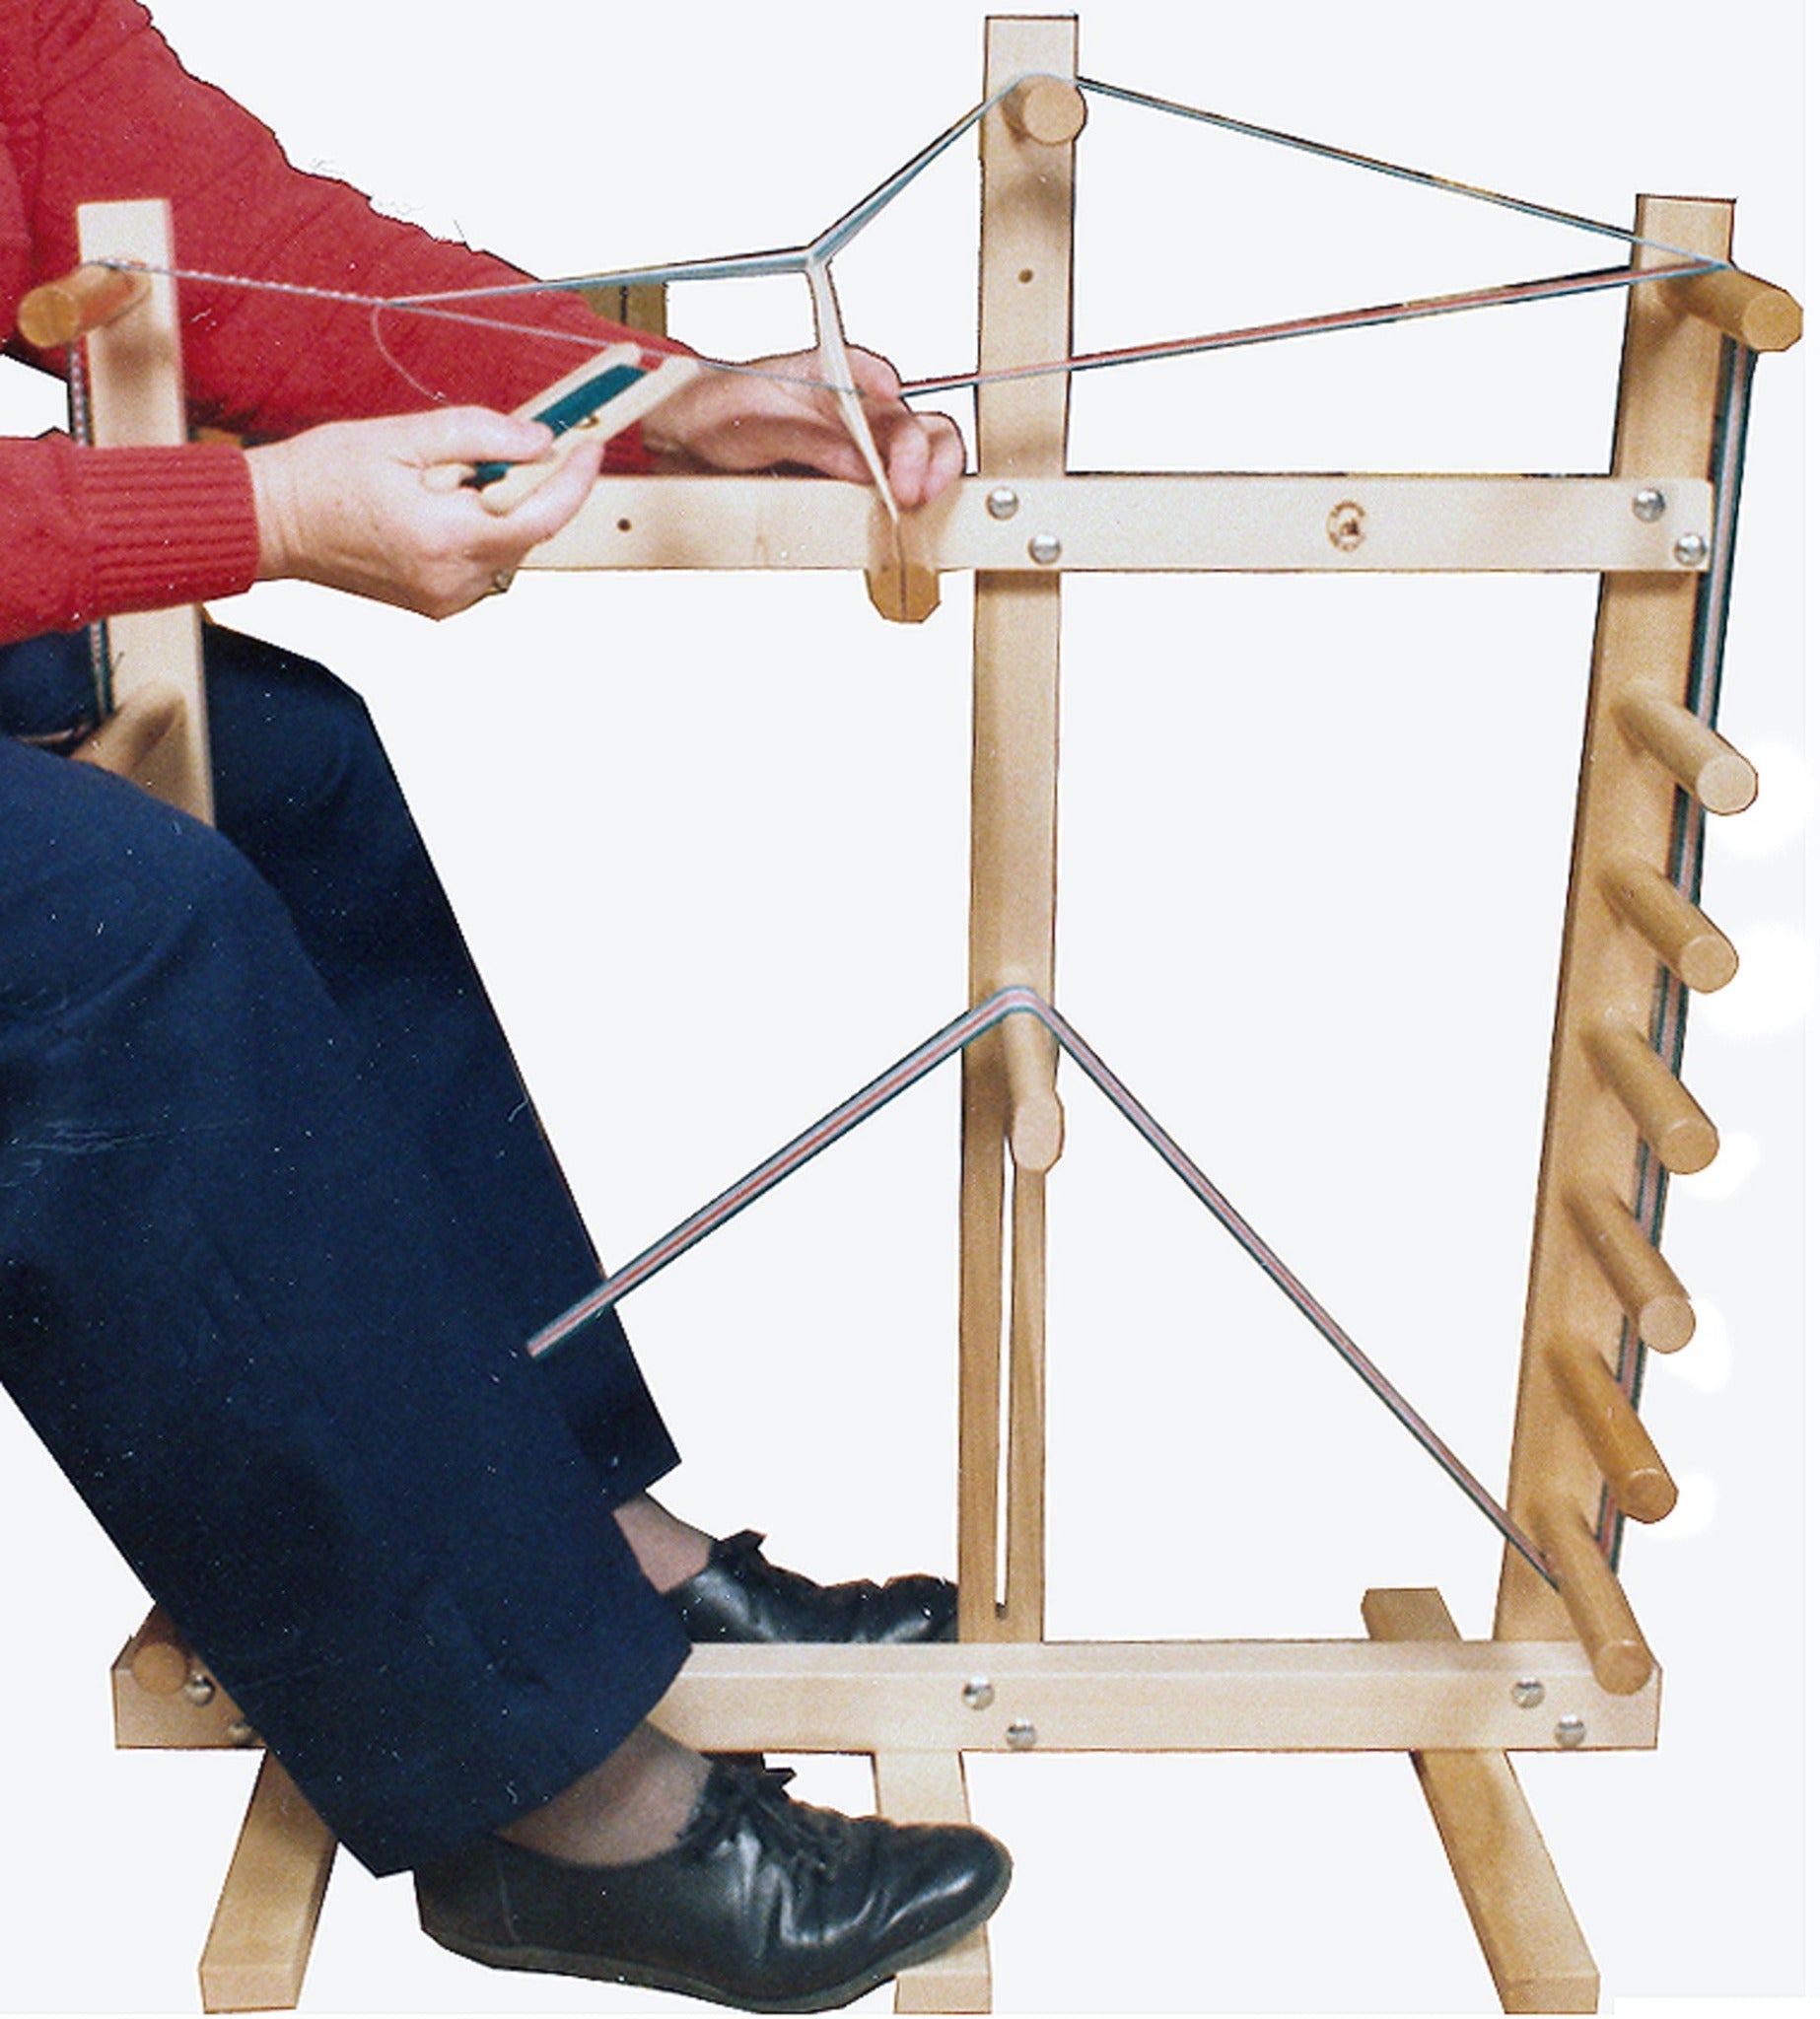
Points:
x=1121, y=524
x=1111, y=1696
x=1237, y=1695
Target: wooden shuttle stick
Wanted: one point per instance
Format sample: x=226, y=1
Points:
x=1601, y=1614
x=1691, y=945
x=1699, y=757
x=595, y=401
x=62, y=311
x=1624, y=1451
x=1644, y=1285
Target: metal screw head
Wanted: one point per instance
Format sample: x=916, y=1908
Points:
x=241, y=1733
x=1649, y=505
x=1346, y=526
x=1526, y=1692
x=1002, y=502
x=1570, y=1733
x=1045, y=549
x=1020, y=1735
x=1691, y=549
x=200, y=1689
x=977, y=1692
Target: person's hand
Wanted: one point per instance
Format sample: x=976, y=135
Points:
x=354, y=504
x=775, y=412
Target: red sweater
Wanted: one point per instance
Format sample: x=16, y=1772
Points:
x=94, y=105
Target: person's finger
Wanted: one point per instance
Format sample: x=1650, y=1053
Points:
x=468, y=433
x=948, y=457
x=553, y=503
x=905, y=446
x=874, y=377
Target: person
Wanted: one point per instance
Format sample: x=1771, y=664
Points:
x=276, y=1216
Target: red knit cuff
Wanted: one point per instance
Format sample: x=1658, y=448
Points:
x=169, y=526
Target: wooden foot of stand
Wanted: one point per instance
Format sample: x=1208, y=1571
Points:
x=259, y=1947
x=1537, y=1956
x=932, y=1787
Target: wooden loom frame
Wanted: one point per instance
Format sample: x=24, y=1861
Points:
x=1564, y=1668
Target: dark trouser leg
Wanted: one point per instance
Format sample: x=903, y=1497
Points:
x=230, y=1302
x=305, y=791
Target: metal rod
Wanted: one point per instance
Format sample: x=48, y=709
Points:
x=917, y=1065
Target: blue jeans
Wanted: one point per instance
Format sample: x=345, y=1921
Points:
x=275, y=1219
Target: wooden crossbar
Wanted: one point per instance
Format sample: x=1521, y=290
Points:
x=1037, y=526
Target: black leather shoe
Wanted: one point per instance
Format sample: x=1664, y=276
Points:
x=742, y=1597
x=764, y=1903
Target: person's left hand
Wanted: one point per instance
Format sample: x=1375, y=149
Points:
x=776, y=412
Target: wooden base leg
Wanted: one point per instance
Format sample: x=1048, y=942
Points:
x=1537, y=1956
x=932, y=1787
x=259, y=1944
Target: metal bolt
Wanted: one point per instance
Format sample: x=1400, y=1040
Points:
x=241, y=1733
x=1649, y=506
x=1020, y=1735
x=977, y=1692
x=1002, y=502
x=1526, y=1692
x=200, y=1689
x=1045, y=549
x=1691, y=549
x=1570, y=1733
x=1346, y=526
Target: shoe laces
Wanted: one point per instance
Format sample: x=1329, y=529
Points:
x=793, y=1832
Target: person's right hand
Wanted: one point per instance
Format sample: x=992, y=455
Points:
x=353, y=504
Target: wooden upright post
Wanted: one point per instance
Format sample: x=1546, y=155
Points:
x=1026, y=240
x=259, y=1943
x=136, y=401
x=1594, y=1143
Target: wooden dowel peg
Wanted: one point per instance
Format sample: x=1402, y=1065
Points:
x=1046, y=109
x=1690, y=946
x=89, y=297
x=1717, y=776
x=1601, y=1614
x=1644, y=1285
x=160, y=1660
x=1668, y=1117
x=1034, y=1129
x=1621, y=1448
x=1754, y=311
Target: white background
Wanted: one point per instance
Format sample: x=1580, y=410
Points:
x=707, y=837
